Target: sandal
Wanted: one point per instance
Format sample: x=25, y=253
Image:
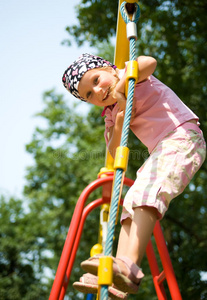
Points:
x=125, y=282
x=89, y=284
x=91, y=264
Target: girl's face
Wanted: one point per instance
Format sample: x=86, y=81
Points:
x=97, y=86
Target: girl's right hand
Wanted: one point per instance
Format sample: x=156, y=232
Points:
x=121, y=100
x=120, y=117
x=121, y=113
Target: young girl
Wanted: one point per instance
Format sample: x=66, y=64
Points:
x=170, y=131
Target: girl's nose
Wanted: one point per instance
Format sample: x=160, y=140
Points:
x=97, y=89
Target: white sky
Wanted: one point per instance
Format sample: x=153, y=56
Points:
x=32, y=60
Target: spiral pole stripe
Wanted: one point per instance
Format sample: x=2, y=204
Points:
x=124, y=140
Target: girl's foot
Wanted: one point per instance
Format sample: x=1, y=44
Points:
x=126, y=274
x=89, y=284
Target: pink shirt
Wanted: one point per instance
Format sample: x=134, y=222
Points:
x=158, y=111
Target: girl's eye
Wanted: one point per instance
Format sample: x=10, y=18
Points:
x=96, y=80
x=88, y=95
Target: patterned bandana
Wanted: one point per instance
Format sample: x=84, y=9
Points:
x=72, y=76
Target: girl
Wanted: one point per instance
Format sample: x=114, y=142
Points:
x=171, y=132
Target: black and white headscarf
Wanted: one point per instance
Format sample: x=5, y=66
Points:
x=72, y=76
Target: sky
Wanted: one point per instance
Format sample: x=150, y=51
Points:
x=32, y=61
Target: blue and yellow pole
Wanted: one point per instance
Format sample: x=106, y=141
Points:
x=105, y=272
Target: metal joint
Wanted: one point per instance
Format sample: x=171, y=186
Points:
x=131, y=28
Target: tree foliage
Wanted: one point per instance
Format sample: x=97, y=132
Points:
x=69, y=151
x=18, y=252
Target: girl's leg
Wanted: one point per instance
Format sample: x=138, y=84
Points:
x=124, y=237
x=140, y=232
x=133, y=239
x=135, y=234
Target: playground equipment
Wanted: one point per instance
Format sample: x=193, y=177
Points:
x=74, y=234
x=113, y=175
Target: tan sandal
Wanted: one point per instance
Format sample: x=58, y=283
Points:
x=125, y=282
x=88, y=284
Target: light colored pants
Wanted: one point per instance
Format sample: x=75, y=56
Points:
x=168, y=170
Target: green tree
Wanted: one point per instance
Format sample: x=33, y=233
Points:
x=18, y=251
x=70, y=150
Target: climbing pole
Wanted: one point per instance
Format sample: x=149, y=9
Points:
x=122, y=152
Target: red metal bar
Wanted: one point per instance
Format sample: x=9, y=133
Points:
x=63, y=263
x=60, y=279
x=166, y=262
x=161, y=277
x=91, y=206
x=159, y=288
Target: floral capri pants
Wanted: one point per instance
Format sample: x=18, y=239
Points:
x=168, y=170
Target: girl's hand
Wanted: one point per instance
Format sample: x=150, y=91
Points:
x=122, y=107
x=121, y=100
x=120, y=118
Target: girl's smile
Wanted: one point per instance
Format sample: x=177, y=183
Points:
x=97, y=86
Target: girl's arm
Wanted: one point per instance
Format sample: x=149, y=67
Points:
x=146, y=66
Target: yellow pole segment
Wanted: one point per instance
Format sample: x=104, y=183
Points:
x=122, y=44
x=121, y=55
x=121, y=158
x=109, y=164
x=105, y=275
x=132, y=1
